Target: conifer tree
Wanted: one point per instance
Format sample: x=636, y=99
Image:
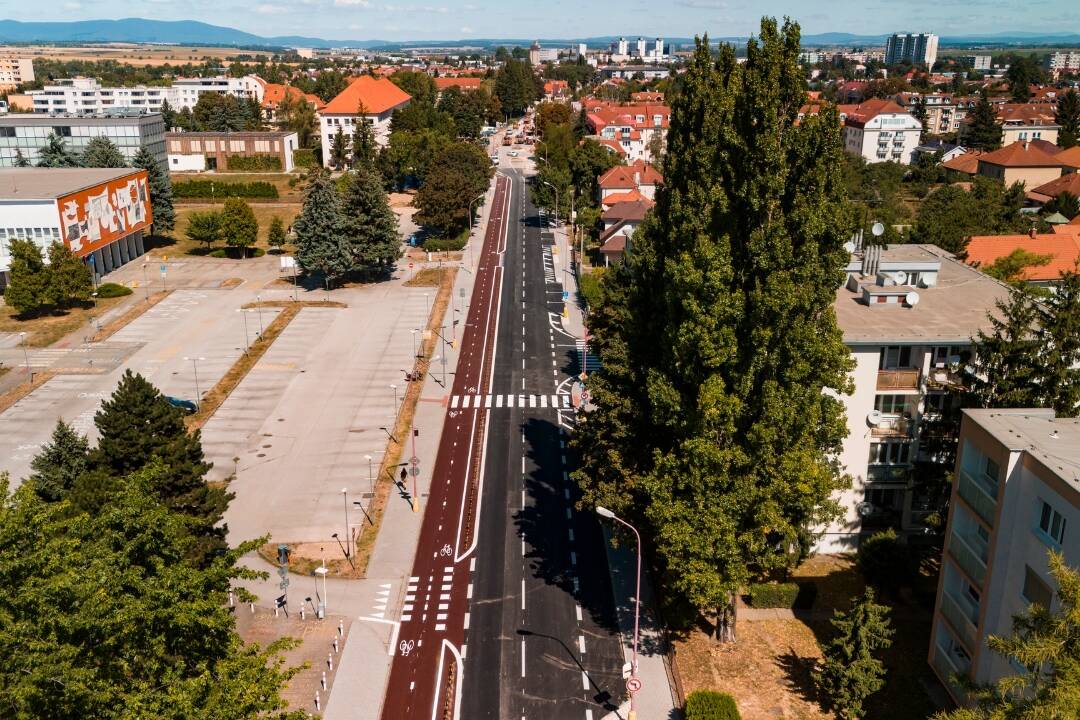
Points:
x=168, y=115
x=1007, y=359
x=1058, y=357
x=70, y=280
x=369, y=227
x=363, y=140
x=339, y=151
x=20, y=159
x=28, y=285
x=55, y=153
x=59, y=463
x=161, y=194
x=1067, y=115
x=849, y=673
x=984, y=132
x=714, y=427
x=101, y=152
x=918, y=111
x=275, y=234
x=319, y=246
x=238, y=224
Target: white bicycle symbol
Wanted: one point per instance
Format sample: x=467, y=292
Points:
x=406, y=647
x=446, y=550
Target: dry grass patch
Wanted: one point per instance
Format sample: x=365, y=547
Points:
x=46, y=329
x=16, y=394
x=428, y=277
x=181, y=245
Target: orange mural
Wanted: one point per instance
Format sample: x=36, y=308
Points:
x=95, y=217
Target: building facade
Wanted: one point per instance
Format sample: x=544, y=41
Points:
x=100, y=214
x=914, y=48
x=28, y=132
x=634, y=128
x=86, y=96
x=15, y=71
x=1015, y=497
x=1020, y=162
x=377, y=97
x=1063, y=62
x=978, y=62
x=881, y=131
x=199, y=151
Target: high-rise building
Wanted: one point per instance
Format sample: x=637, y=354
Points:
x=26, y=133
x=15, y=71
x=642, y=47
x=1059, y=62
x=978, y=62
x=623, y=47
x=917, y=49
x=658, y=48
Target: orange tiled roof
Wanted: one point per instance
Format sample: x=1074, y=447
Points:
x=377, y=95
x=967, y=163
x=610, y=144
x=275, y=93
x=1063, y=248
x=1069, y=157
x=621, y=197
x=1066, y=183
x=622, y=176
x=1025, y=114
x=465, y=83
x=867, y=111
x=1020, y=154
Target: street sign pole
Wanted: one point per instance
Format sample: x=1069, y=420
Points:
x=415, y=461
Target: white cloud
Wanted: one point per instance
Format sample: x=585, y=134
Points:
x=73, y=5
x=465, y=30
x=270, y=9
x=353, y=3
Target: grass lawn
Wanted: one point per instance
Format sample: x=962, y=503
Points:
x=181, y=245
x=48, y=328
x=279, y=180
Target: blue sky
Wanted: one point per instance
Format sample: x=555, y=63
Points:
x=451, y=19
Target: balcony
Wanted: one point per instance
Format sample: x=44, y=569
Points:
x=945, y=377
x=893, y=426
x=907, y=379
x=947, y=670
x=967, y=558
x=975, y=494
x=961, y=621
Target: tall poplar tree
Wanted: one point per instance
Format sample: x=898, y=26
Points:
x=714, y=427
x=160, y=186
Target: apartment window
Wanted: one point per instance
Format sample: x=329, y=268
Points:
x=991, y=471
x=1036, y=591
x=62, y=131
x=945, y=355
x=895, y=357
x=7, y=132
x=889, y=453
x=1051, y=523
x=890, y=404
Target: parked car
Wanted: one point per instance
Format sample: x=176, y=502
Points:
x=513, y=153
x=414, y=240
x=495, y=159
x=186, y=406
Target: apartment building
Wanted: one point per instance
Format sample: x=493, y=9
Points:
x=378, y=97
x=943, y=114
x=879, y=130
x=1016, y=496
x=914, y=48
x=907, y=314
x=539, y=55
x=27, y=133
x=1058, y=63
x=633, y=127
x=87, y=96
x=1021, y=122
x=1022, y=162
x=15, y=71
x=977, y=62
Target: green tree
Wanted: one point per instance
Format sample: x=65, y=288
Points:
x=330, y=84
x=275, y=234
x=1023, y=72
x=204, y=227
x=950, y=215
x=1046, y=643
x=725, y=452
x=588, y=162
x=20, y=159
x=238, y=224
x=104, y=619
x=369, y=228
x=28, y=285
x=1058, y=334
x=849, y=673
x=467, y=109
x=318, y=230
x=918, y=111
x=363, y=140
x=408, y=155
x=101, y=152
x=515, y=87
x=461, y=172
x=1012, y=268
x=70, y=280
x=59, y=463
x=339, y=149
x=221, y=113
x=55, y=153
x=137, y=427
x=1065, y=203
x=1067, y=115
x=420, y=86
x=984, y=131
x=297, y=115
x=161, y=193
x=168, y=115
x=1007, y=358
x=552, y=113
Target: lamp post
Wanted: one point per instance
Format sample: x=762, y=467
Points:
x=195, y=367
x=370, y=477
x=394, y=388
x=321, y=570
x=258, y=307
x=414, y=350
x=556, y=201
x=604, y=512
x=26, y=357
x=247, y=337
x=472, y=225
x=145, y=283
x=348, y=534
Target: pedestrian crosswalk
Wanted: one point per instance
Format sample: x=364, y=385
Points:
x=508, y=401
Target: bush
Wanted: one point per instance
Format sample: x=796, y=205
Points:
x=711, y=705
x=237, y=253
x=773, y=595
x=112, y=290
x=202, y=189
x=589, y=286
x=304, y=158
x=884, y=561
x=219, y=253
x=254, y=163
x=438, y=244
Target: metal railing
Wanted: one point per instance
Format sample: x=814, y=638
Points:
x=966, y=557
x=907, y=379
x=961, y=622
x=978, y=499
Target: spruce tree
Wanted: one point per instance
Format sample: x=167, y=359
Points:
x=28, y=278
x=363, y=140
x=1008, y=358
x=984, y=132
x=275, y=234
x=238, y=224
x=339, y=151
x=20, y=159
x=1058, y=358
x=319, y=246
x=70, y=280
x=59, y=463
x=101, y=152
x=55, y=153
x=1067, y=115
x=849, y=673
x=718, y=418
x=161, y=194
x=369, y=227
x=168, y=115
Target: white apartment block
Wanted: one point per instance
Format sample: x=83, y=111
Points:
x=86, y=96
x=1062, y=62
x=1015, y=497
x=907, y=314
x=978, y=62
x=15, y=71
x=881, y=131
x=917, y=49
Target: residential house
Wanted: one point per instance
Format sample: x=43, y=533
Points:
x=933, y=147
x=966, y=163
x=1063, y=248
x=198, y=151
x=634, y=126
x=379, y=98
x=879, y=130
x=1069, y=159
x=464, y=83
x=274, y=94
x=620, y=221
x=1027, y=122
x=1068, y=183
x=907, y=314
x=1020, y=162
x=639, y=176
x=1015, y=497
x=556, y=90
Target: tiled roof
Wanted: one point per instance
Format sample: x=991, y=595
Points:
x=1025, y=114
x=622, y=176
x=600, y=114
x=614, y=244
x=465, y=83
x=610, y=144
x=1064, y=249
x=867, y=111
x=1020, y=154
x=1066, y=183
x=634, y=211
x=623, y=197
x=967, y=163
x=275, y=93
x=1069, y=157
x=377, y=95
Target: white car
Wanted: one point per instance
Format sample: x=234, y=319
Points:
x=513, y=153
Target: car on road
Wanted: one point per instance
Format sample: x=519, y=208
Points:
x=495, y=159
x=513, y=153
x=186, y=406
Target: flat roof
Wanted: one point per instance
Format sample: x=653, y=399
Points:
x=73, y=119
x=951, y=312
x=51, y=183
x=1053, y=441
x=235, y=134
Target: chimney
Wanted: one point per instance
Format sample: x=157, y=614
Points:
x=1031, y=233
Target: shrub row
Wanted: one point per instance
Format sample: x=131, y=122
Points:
x=218, y=189
x=773, y=595
x=254, y=163
x=304, y=158
x=438, y=244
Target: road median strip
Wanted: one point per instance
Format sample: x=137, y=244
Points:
x=114, y=326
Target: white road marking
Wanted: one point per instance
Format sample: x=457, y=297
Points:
x=584, y=681
x=522, y=593
x=522, y=657
x=577, y=612
x=581, y=643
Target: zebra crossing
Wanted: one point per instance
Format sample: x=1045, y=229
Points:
x=549, y=267
x=508, y=401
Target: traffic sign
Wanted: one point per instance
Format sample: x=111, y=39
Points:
x=410, y=266
x=633, y=685
x=414, y=460
x=162, y=268
x=414, y=471
x=565, y=295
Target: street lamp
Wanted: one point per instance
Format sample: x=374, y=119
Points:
x=26, y=357
x=472, y=225
x=258, y=306
x=604, y=512
x=388, y=434
x=370, y=477
x=348, y=535
x=145, y=283
x=394, y=388
x=414, y=351
x=247, y=337
x=556, y=201
x=195, y=367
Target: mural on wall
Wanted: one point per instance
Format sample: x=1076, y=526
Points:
x=95, y=217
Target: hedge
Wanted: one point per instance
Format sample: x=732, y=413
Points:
x=304, y=158
x=589, y=287
x=438, y=244
x=711, y=705
x=254, y=163
x=112, y=290
x=217, y=189
x=773, y=595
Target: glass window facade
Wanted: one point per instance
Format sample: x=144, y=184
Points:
x=27, y=134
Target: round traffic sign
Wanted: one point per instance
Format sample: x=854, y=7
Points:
x=633, y=685
x=414, y=471
x=414, y=460
x=410, y=266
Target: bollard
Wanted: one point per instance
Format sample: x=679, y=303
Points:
x=330, y=661
x=302, y=612
x=252, y=608
x=324, y=680
x=275, y=612
x=317, y=700
x=335, y=645
x=232, y=599
x=340, y=627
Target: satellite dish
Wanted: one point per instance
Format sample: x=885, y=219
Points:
x=849, y=246
x=912, y=298
x=899, y=277
x=878, y=229
x=865, y=509
x=874, y=417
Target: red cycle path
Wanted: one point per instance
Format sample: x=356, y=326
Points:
x=434, y=613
